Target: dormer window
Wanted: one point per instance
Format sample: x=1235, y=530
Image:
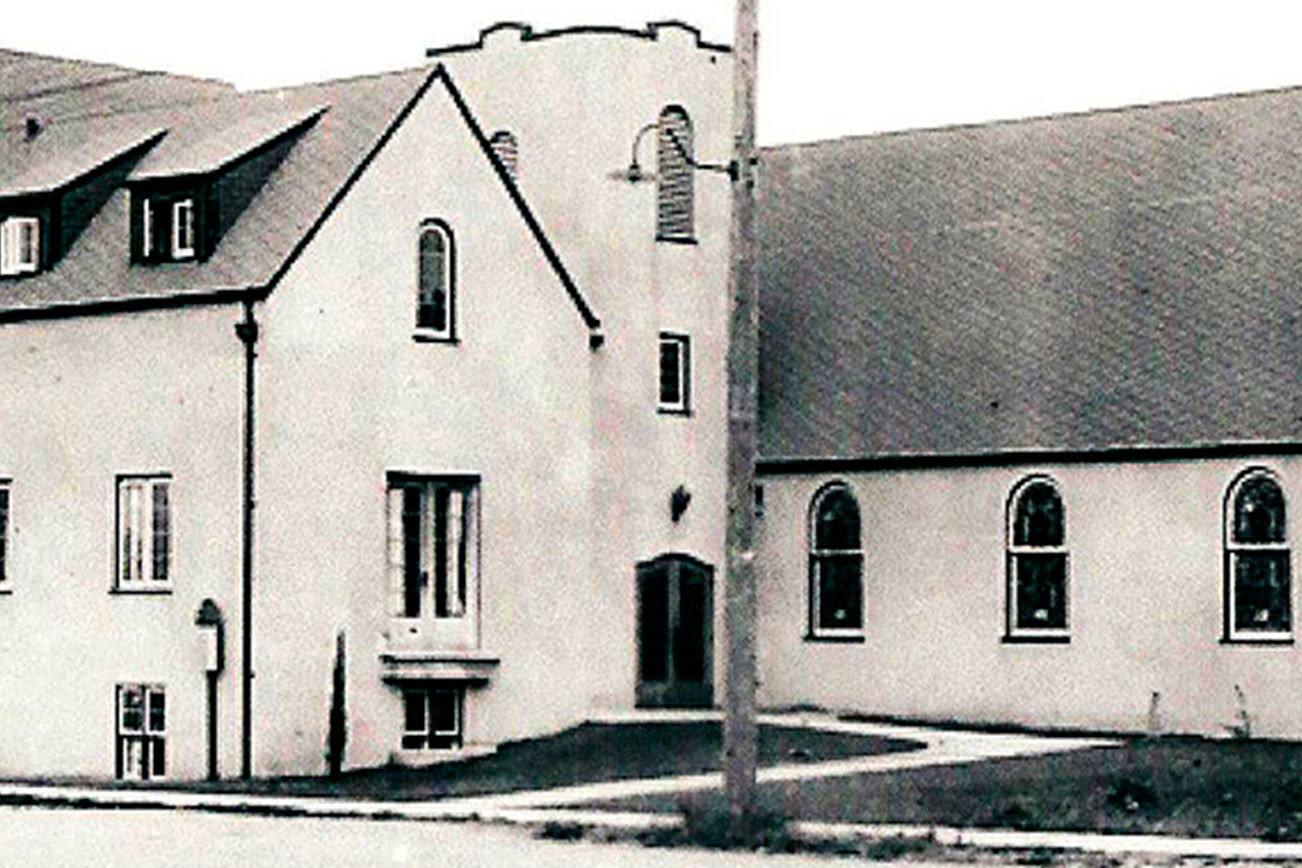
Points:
x=167, y=227
x=20, y=246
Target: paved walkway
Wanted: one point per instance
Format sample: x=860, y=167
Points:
x=942, y=747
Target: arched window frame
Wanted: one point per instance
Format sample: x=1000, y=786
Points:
x=675, y=178
x=1278, y=629
x=1019, y=628
x=819, y=557
x=425, y=329
x=507, y=148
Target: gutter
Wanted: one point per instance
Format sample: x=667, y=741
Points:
x=247, y=331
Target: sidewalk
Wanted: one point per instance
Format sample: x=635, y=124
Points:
x=545, y=806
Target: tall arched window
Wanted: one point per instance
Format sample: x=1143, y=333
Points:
x=835, y=564
x=436, y=276
x=1257, y=559
x=1037, y=562
x=507, y=148
x=675, y=192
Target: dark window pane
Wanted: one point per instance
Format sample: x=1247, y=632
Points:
x=432, y=303
x=442, y=608
x=443, y=711
x=4, y=529
x=1259, y=512
x=1261, y=591
x=671, y=391
x=689, y=638
x=413, y=580
x=1039, y=518
x=162, y=532
x=158, y=754
x=653, y=625
x=133, y=709
x=836, y=522
x=157, y=712
x=413, y=710
x=840, y=591
x=1041, y=591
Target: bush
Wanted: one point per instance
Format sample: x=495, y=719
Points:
x=1130, y=795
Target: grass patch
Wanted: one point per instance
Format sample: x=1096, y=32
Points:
x=1177, y=786
x=586, y=754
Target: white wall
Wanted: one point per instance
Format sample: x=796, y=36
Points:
x=1145, y=542
x=81, y=401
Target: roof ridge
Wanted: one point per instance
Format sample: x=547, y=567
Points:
x=1152, y=105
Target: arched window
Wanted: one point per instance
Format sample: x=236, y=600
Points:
x=507, y=148
x=674, y=177
x=1257, y=559
x=835, y=564
x=436, y=267
x=1037, y=562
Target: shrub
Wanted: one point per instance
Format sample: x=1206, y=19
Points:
x=337, y=726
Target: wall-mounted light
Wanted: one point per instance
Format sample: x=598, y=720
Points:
x=212, y=622
x=635, y=174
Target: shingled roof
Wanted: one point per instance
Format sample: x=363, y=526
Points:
x=1112, y=279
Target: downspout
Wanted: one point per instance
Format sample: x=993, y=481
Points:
x=247, y=332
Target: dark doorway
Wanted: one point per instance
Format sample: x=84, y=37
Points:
x=675, y=620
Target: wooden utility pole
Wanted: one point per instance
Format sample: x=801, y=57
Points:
x=740, y=734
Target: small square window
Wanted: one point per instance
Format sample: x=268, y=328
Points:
x=20, y=246
x=144, y=533
x=431, y=718
x=675, y=373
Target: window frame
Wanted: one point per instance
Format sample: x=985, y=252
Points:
x=1232, y=633
x=183, y=251
x=466, y=581
x=146, y=583
x=683, y=406
x=152, y=741
x=12, y=243
x=1013, y=633
x=815, y=631
x=506, y=147
x=448, y=333
x=430, y=738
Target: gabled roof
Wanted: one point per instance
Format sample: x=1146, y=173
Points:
x=1107, y=280
x=342, y=126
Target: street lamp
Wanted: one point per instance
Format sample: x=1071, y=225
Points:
x=212, y=623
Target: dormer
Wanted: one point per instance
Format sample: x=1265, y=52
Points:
x=54, y=181
x=189, y=191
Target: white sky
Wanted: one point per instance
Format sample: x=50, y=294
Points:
x=827, y=67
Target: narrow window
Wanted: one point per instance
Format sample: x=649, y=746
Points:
x=1037, y=562
x=183, y=229
x=507, y=149
x=144, y=533
x=432, y=559
x=1257, y=560
x=4, y=534
x=436, y=282
x=141, y=732
x=835, y=564
x=431, y=717
x=675, y=186
x=20, y=246
x=675, y=373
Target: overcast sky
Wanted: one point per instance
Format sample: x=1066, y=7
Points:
x=827, y=67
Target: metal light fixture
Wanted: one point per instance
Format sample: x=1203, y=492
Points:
x=635, y=174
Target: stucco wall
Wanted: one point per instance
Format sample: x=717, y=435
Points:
x=576, y=103
x=346, y=395
x=1145, y=543
x=81, y=401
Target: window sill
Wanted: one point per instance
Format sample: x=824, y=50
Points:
x=1049, y=639
x=422, y=337
x=1257, y=640
x=141, y=592
x=5, y=590
x=836, y=638
x=685, y=412
x=676, y=239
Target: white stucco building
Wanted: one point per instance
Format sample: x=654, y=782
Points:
x=406, y=359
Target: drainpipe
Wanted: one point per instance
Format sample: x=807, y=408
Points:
x=247, y=332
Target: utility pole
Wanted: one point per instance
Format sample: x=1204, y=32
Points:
x=740, y=733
